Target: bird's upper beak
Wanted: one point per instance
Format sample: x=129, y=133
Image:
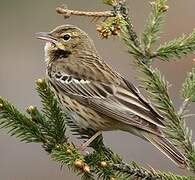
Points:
x=46, y=37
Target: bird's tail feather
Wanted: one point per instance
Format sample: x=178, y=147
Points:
x=165, y=146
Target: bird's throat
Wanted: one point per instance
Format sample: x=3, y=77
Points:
x=53, y=53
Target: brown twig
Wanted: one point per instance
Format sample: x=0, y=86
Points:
x=67, y=13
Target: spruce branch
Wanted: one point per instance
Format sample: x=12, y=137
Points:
x=126, y=35
x=187, y=93
x=37, y=128
x=102, y=162
x=157, y=87
x=112, y=166
x=141, y=173
x=176, y=48
x=18, y=124
x=48, y=126
x=153, y=27
x=184, y=108
x=188, y=90
x=154, y=83
x=55, y=116
x=122, y=10
x=67, y=154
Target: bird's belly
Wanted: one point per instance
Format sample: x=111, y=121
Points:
x=83, y=116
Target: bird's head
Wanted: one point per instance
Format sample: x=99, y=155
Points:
x=66, y=39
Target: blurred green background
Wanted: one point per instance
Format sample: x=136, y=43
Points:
x=21, y=63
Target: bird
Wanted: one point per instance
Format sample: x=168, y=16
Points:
x=95, y=95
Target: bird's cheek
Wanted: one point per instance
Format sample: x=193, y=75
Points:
x=60, y=46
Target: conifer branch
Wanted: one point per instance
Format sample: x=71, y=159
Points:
x=102, y=162
x=54, y=116
x=176, y=129
x=188, y=90
x=176, y=48
x=122, y=10
x=141, y=173
x=153, y=27
x=19, y=125
x=111, y=166
x=48, y=126
x=157, y=87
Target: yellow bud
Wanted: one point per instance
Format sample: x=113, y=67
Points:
x=103, y=164
x=105, y=34
x=1, y=107
x=112, y=178
x=39, y=82
x=57, y=146
x=86, y=169
x=68, y=151
x=165, y=8
x=99, y=29
x=79, y=163
x=31, y=109
x=110, y=2
x=115, y=32
x=152, y=3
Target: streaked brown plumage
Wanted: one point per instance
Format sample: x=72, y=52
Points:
x=95, y=95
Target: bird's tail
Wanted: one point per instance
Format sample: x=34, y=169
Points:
x=166, y=147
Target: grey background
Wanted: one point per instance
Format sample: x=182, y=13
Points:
x=21, y=63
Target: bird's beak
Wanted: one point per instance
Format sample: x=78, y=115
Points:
x=46, y=37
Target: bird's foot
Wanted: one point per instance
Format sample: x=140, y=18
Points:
x=82, y=148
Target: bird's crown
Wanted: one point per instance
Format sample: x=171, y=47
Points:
x=67, y=38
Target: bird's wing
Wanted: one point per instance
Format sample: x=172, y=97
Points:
x=118, y=102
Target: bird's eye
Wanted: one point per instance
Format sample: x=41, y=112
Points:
x=66, y=37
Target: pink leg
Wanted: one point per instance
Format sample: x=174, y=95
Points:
x=88, y=142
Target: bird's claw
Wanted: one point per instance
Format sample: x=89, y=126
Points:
x=82, y=149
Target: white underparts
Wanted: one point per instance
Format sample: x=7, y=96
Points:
x=47, y=47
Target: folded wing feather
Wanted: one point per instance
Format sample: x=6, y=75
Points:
x=121, y=103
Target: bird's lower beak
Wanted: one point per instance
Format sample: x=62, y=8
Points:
x=46, y=37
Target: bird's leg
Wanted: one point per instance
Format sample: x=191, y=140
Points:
x=89, y=141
